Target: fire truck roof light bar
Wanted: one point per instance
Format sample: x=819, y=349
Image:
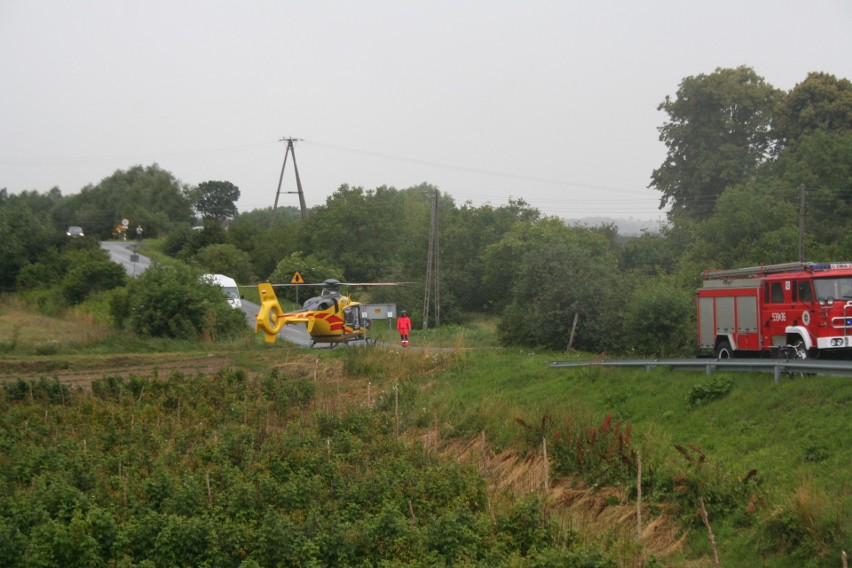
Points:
x=753, y=271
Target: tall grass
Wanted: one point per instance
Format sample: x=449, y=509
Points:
x=476, y=333
x=26, y=330
x=744, y=447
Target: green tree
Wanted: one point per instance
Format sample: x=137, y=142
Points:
x=24, y=235
x=265, y=241
x=44, y=272
x=821, y=163
x=821, y=102
x=717, y=134
x=226, y=259
x=553, y=273
x=186, y=242
x=312, y=268
x=266, y=217
x=45, y=206
x=372, y=233
x=467, y=232
x=648, y=254
x=215, y=199
x=148, y=196
x=752, y=225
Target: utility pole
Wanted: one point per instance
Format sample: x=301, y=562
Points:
x=802, y=223
x=433, y=268
x=290, y=150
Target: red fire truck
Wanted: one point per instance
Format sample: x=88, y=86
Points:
x=799, y=310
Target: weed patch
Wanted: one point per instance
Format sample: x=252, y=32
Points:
x=600, y=455
x=714, y=389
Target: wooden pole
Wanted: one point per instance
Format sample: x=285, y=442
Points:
x=638, y=495
x=573, y=330
x=802, y=223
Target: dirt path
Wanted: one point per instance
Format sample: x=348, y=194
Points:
x=81, y=374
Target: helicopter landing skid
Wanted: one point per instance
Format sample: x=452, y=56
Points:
x=347, y=341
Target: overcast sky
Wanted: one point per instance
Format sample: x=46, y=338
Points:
x=554, y=102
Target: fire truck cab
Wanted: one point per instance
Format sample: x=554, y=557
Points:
x=799, y=310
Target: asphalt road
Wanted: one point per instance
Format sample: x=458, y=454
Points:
x=125, y=254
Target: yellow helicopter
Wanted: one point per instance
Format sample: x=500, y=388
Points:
x=331, y=317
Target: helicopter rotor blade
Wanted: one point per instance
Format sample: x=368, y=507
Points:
x=335, y=284
x=374, y=283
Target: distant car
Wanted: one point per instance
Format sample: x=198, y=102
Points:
x=75, y=231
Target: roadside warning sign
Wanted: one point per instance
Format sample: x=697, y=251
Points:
x=297, y=279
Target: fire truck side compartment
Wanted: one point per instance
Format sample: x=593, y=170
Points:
x=729, y=315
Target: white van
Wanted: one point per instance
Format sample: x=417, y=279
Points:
x=229, y=285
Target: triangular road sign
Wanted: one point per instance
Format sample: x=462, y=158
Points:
x=297, y=279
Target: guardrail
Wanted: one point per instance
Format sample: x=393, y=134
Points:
x=775, y=366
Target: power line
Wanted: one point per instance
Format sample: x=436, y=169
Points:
x=467, y=168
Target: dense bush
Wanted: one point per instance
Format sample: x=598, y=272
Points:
x=659, y=319
x=173, y=301
x=80, y=270
x=90, y=271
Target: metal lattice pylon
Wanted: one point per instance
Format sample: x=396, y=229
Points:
x=433, y=269
x=290, y=150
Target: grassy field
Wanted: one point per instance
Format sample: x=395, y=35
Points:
x=770, y=462
x=795, y=436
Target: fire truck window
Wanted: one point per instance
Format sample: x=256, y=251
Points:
x=837, y=288
x=777, y=293
x=806, y=294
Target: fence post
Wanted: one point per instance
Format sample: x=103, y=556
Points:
x=639, y=495
x=396, y=410
x=710, y=534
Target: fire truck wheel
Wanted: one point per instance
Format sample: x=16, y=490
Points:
x=723, y=350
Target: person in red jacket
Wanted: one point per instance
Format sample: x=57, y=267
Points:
x=403, y=325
